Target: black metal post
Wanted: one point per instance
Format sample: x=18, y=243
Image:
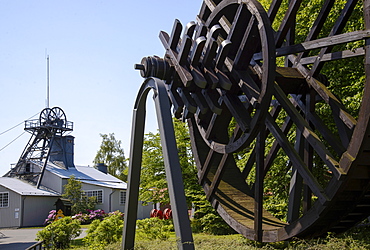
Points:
x=172, y=166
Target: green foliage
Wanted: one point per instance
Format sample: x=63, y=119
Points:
x=104, y=232
x=154, y=228
x=58, y=235
x=153, y=181
x=206, y=219
x=112, y=155
x=154, y=184
x=73, y=192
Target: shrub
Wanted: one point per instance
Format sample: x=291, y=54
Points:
x=213, y=224
x=90, y=216
x=51, y=217
x=58, y=235
x=104, y=232
x=96, y=214
x=82, y=218
x=154, y=228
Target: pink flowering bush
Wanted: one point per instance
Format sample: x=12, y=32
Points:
x=91, y=215
x=82, y=218
x=96, y=214
x=51, y=217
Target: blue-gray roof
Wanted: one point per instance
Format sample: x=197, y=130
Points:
x=24, y=188
x=88, y=175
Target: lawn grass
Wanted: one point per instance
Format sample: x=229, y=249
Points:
x=357, y=238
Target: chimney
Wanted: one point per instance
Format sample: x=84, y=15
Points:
x=62, y=150
x=102, y=168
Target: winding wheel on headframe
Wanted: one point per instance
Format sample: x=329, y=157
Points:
x=261, y=109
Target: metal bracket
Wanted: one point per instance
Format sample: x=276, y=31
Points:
x=171, y=162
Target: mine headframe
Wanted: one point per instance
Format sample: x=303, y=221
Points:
x=52, y=123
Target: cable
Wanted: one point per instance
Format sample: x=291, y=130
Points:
x=18, y=124
x=12, y=141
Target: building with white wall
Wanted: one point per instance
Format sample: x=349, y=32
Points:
x=29, y=191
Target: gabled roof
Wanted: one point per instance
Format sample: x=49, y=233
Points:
x=88, y=175
x=23, y=188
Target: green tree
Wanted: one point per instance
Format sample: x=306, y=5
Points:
x=73, y=192
x=112, y=155
x=153, y=181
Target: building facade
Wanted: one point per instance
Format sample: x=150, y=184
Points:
x=24, y=205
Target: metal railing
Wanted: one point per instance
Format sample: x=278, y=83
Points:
x=36, y=246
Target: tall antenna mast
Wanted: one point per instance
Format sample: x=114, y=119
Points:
x=47, y=83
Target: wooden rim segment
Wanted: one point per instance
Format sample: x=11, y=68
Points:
x=246, y=26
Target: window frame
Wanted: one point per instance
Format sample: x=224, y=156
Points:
x=122, y=198
x=87, y=193
x=2, y=199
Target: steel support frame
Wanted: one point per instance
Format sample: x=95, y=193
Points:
x=171, y=162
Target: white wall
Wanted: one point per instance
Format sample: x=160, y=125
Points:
x=36, y=209
x=10, y=216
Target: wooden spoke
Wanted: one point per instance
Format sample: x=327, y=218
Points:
x=287, y=22
x=321, y=127
x=338, y=27
x=317, y=26
x=274, y=7
x=297, y=160
x=249, y=45
x=258, y=185
x=307, y=132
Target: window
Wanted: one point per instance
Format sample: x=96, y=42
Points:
x=122, y=198
x=4, y=199
x=97, y=193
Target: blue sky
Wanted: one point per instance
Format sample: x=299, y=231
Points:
x=93, y=46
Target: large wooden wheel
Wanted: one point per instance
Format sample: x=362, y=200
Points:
x=253, y=123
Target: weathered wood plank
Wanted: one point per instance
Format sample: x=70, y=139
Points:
x=337, y=28
x=184, y=74
x=327, y=96
x=274, y=8
x=307, y=132
x=334, y=56
x=320, y=126
x=297, y=160
x=258, y=184
x=287, y=22
x=319, y=43
x=317, y=25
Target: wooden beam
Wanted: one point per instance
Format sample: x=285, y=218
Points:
x=320, y=126
x=288, y=22
x=307, y=132
x=327, y=96
x=258, y=184
x=248, y=46
x=240, y=23
x=218, y=175
x=274, y=7
x=297, y=161
x=334, y=56
x=202, y=174
x=319, y=43
x=337, y=28
x=184, y=74
x=318, y=24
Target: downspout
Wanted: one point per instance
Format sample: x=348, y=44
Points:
x=22, y=211
x=110, y=200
